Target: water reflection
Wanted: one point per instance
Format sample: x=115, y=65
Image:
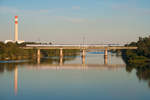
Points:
x=57, y=60
x=16, y=80
x=11, y=67
x=14, y=68
x=142, y=71
x=7, y=67
x=49, y=72
x=61, y=61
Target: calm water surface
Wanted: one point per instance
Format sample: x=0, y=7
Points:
x=73, y=80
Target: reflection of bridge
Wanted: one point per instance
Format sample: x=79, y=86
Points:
x=113, y=67
x=83, y=48
x=80, y=66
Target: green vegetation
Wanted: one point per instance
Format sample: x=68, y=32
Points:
x=52, y=56
x=142, y=54
x=13, y=51
x=139, y=59
x=55, y=52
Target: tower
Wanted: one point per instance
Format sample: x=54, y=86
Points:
x=16, y=28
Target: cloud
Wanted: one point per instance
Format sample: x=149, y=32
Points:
x=131, y=9
x=70, y=19
x=75, y=20
x=11, y=10
x=43, y=12
x=146, y=11
x=76, y=7
x=120, y=6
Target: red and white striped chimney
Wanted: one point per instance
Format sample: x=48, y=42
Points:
x=16, y=28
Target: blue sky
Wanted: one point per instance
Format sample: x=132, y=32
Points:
x=68, y=21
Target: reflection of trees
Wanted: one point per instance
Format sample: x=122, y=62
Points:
x=1, y=68
x=69, y=58
x=56, y=59
x=56, y=52
x=53, y=55
x=7, y=67
x=49, y=60
x=144, y=74
x=143, y=71
x=11, y=66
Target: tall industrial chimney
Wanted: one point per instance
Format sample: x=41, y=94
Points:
x=16, y=28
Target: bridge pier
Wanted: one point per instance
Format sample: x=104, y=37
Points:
x=87, y=47
x=83, y=56
x=38, y=56
x=105, y=56
x=61, y=56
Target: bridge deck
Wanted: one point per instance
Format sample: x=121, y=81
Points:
x=77, y=47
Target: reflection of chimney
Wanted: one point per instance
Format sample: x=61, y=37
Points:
x=16, y=28
x=16, y=81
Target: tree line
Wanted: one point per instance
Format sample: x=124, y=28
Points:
x=142, y=54
x=13, y=51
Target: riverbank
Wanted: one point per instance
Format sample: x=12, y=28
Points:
x=141, y=55
x=12, y=51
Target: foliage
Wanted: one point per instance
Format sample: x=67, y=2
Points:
x=139, y=59
x=56, y=52
x=142, y=54
x=13, y=51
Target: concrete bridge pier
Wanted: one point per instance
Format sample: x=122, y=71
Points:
x=83, y=56
x=105, y=56
x=38, y=56
x=61, y=56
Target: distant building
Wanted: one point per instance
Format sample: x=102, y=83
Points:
x=19, y=41
x=6, y=41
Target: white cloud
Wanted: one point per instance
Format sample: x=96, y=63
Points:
x=76, y=7
x=12, y=10
x=74, y=20
x=71, y=19
x=16, y=11
x=131, y=9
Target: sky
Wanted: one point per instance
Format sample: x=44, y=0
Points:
x=75, y=21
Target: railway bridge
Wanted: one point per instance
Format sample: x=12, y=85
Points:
x=83, y=48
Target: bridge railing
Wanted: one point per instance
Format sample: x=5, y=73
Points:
x=70, y=45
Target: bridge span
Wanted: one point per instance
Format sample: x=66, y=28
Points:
x=82, y=48
x=108, y=47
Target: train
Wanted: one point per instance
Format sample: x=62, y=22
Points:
x=85, y=45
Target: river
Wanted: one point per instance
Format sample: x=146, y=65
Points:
x=74, y=80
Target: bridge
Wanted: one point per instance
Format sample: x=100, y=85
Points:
x=83, y=48
x=113, y=67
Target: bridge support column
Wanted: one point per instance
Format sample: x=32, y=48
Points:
x=61, y=56
x=105, y=56
x=38, y=56
x=83, y=56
